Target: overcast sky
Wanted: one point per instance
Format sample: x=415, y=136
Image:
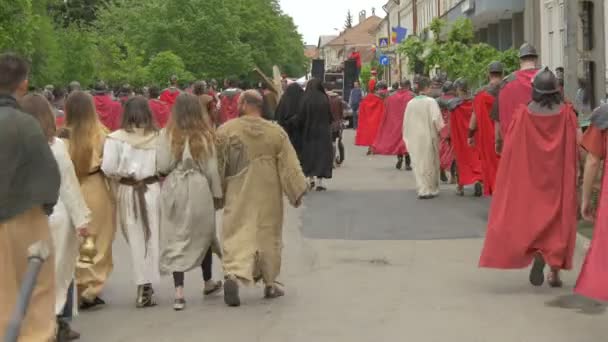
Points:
x=320, y=17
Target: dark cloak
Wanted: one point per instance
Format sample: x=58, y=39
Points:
x=314, y=120
x=287, y=112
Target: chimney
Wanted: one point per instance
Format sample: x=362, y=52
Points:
x=362, y=16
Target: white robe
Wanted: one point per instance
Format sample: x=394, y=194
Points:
x=124, y=160
x=421, y=128
x=69, y=213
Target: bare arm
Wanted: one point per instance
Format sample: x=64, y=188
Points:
x=592, y=166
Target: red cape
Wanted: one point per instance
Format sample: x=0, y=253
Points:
x=109, y=111
x=389, y=140
x=534, y=206
x=485, y=140
x=229, y=108
x=446, y=151
x=161, y=112
x=513, y=94
x=169, y=96
x=467, y=157
x=371, y=111
x=594, y=274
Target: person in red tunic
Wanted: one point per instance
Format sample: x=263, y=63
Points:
x=533, y=211
x=229, y=101
x=593, y=279
x=515, y=90
x=481, y=130
x=468, y=162
x=108, y=110
x=446, y=151
x=170, y=94
x=371, y=85
x=160, y=109
x=371, y=111
x=389, y=140
x=356, y=56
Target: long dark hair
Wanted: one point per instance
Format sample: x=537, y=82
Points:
x=39, y=107
x=547, y=100
x=289, y=104
x=137, y=114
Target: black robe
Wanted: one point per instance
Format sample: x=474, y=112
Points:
x=314, y=120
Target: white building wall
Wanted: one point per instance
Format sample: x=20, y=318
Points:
x=553, y=33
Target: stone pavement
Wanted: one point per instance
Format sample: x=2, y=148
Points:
x=364, y=261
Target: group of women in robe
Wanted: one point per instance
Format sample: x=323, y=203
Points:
x=159, y=188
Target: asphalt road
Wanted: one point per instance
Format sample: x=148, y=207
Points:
x=364, y=261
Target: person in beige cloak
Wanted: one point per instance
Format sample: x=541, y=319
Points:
x=29, y=187
x=257, y=165
x=421, y=127
x=69, y=219
x=186, y=154
x=84, y=137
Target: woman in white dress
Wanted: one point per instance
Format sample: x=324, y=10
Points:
x=69, y=220
x=129, y=158
x=186, y=154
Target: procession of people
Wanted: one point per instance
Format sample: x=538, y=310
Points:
x=157, y=167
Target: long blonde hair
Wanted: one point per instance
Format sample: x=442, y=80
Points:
x=84, y=130
x=187, y=123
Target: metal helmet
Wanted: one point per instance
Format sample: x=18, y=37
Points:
x=527, y=50
x=447, y=87
x=100, y=87
x=495, y=67
x=545, y=82
x=461, y=84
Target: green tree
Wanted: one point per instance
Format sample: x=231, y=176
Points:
x=349, y=20
x=165, y=64
x=17, y=26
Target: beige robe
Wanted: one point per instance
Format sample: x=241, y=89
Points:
x=187, y=209
x=16, y=236
x=258, y=165
x=90, y=279
x=421, y=128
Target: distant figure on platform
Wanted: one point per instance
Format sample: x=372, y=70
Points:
x=371, y=111
x=421, y=127
x=170, y=94
x=108, y=110
x=468, y=162
x=533, y=212
x=356, y=56
x=160, y=109
x=389, y=140
x=255, y=183
x=229, y=101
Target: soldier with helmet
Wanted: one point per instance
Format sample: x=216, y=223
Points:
x=482, y=130
x=446, y=151
x=515, y=91
x=533, y=212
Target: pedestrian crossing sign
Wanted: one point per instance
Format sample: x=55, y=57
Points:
x=383, y=42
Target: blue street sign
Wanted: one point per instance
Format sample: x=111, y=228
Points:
x=383, y=42
x=384, y=60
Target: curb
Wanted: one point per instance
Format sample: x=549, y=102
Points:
x=582, y=242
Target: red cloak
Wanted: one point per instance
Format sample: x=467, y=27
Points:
x=534, y=206
x=515, y=92
x=109, y=111
x=467, y=157
x=485, y=140
x=446, y=151
x=389, y=140
x=371, y=111
x=169, y=96
x=161, y=112
x=593, y=279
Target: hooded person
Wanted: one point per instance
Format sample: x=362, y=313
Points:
x=533, y=211
x=108, y=110
x=170, y=94
x=160, y=109
x=482, y=130
x=371, y=111
x=516, y=90
x=229, y=101
x=468, y=163
x=446, y=151
x=287, y=112
x=389, y=140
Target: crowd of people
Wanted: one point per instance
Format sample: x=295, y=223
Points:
x=517, y=139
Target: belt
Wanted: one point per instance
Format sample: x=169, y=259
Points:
x=140, y=187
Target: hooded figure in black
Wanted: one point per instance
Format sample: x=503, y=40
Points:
x=314, y=120
x=287, y=114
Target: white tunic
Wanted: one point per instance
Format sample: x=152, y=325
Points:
x=123, y=160
x=421, y=128
x=69, y=213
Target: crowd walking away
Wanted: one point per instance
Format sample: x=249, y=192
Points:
x=162, y=167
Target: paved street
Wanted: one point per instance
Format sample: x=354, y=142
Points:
x=364, y=261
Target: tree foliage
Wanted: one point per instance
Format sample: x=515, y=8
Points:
x=455, y=52
x=349, y=20
x=130, y=41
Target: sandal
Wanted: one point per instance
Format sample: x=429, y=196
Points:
x=273, y=291
x=554, y=281
x=478, y=189
x=216, y=288
x=321, y=188
x=231, y=293
x=460, y=192
x=537, y=276
x=89, y=305
x=145, y=297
